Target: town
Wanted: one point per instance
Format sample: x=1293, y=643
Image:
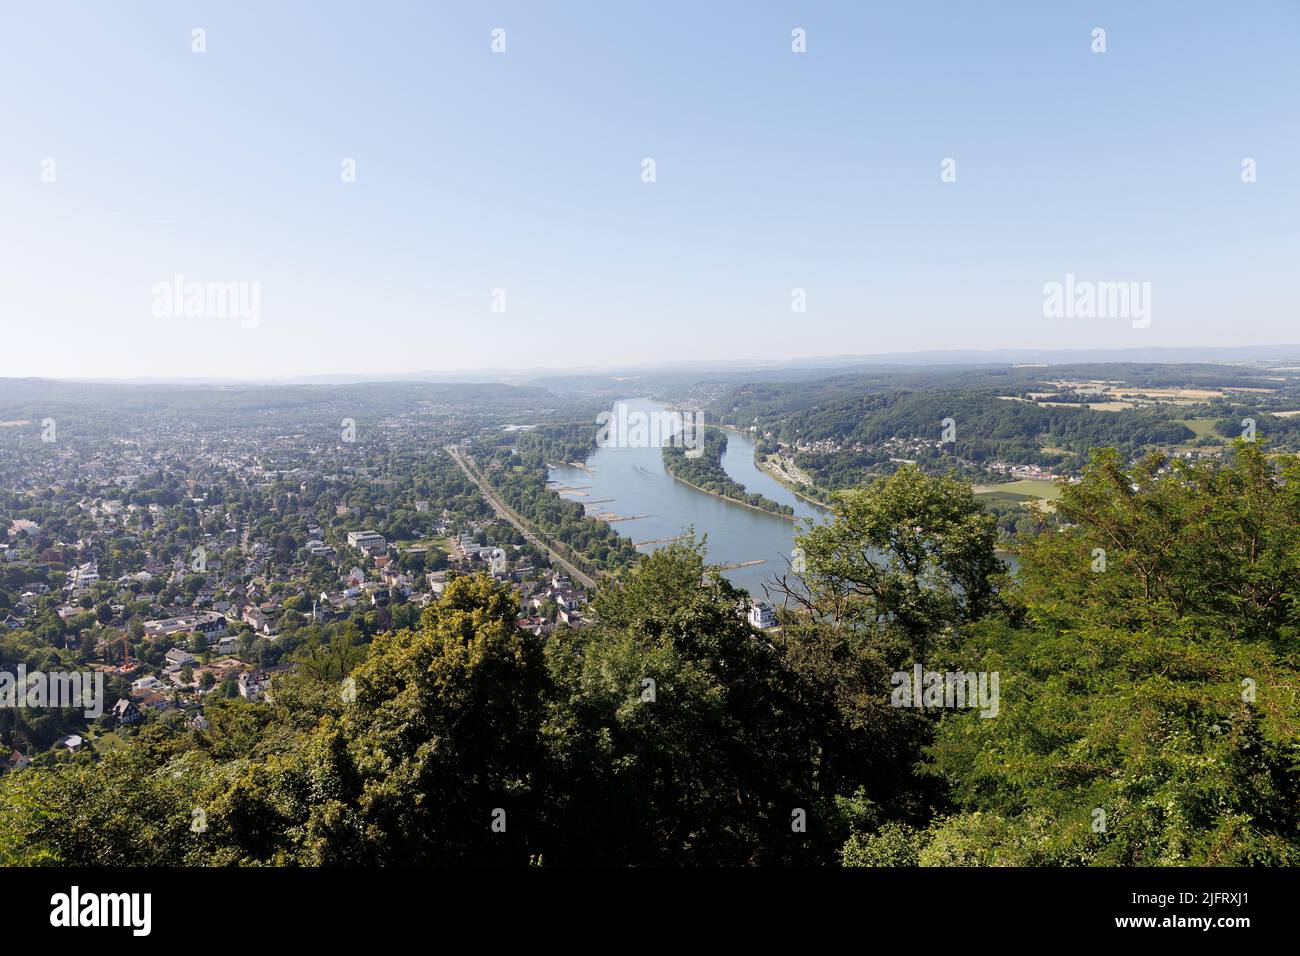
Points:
x=184, y=567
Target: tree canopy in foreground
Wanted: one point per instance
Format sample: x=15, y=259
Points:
x=1148, y=709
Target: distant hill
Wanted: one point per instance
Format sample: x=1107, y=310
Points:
x=1267, y=354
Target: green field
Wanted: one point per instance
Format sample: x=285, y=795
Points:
x=1004, y=496
x=1025, y=488
x=1204, y=427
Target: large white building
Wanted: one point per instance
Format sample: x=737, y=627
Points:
x=371, y=541
x=208, y=623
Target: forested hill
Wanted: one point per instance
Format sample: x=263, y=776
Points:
x=987, y=427
x=1045, y=416
x=765, y=398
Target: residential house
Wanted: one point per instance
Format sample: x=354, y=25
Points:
x=762, y=614
x=147, y=685
x=17, y=760
x=253, y=685
x=126, y=713
x=319, y=549
x=179, y=658
x=256, y=618
x=83, y=576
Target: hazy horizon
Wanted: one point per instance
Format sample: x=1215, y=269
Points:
x=1245, y=354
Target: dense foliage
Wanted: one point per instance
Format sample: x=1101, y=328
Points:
x=1148, y=711
x=987, y=427
x=1148, y=661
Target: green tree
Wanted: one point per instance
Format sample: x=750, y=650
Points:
x=906, y=560
x=676, y=736
x=1149, y=711
x=442, y=734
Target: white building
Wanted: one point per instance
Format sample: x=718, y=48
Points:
x=85, y=575
x=762, y=615
x=208, y=623
x=180, y=658
x=370, y=541
x=319, y=549
x=252, y=685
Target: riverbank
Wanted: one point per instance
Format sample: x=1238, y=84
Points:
x=779, y=477
x=774, y=473
x=734, y=501
x=634, y=480
x=581, y=466
x=704, y=468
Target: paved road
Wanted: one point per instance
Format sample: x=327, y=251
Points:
x=508, y=513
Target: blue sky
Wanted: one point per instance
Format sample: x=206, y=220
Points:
x=522, y=171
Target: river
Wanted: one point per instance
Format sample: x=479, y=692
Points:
x=632, y=483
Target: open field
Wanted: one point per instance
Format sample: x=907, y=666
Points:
x=1116, y=406
x=1204, y=427
x=1040, y=488
x=1117, y=396
x=111, y=740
